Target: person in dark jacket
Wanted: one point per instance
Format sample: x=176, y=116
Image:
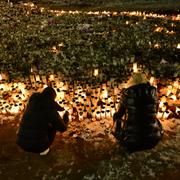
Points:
x=40, y=122
x=137, y=127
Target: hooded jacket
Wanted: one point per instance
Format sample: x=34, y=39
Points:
x=39, y=118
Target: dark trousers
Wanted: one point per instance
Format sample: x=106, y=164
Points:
x=37, y=147
x=51, y=137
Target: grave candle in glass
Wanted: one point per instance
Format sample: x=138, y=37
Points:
x=160, y=114
x=108, y=113
x=98, y=115
x=166, y=114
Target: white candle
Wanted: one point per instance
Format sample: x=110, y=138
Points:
x=96, y=71
x=51, y=77
x=161, y=104
x=166, y=114
x=177, y=110
x=98, y=115
x=159, y=115
x=37, y=77
x=152, y=79
x=108, y=113
x=163, y=108
x=173, y=97
x=176, y=84
x=178, y=46
x=135, y=69
x=169, y=90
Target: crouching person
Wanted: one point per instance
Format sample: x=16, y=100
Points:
x=136, y=125
x=40, y=122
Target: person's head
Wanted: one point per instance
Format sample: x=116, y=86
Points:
x=137, y=78
x=49, y=92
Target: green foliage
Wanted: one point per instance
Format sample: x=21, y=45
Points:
x=84, y=42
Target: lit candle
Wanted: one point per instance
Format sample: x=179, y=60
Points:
x=152, y=80
x=177, y=110
x=32, y=79
x=178, y=46
x=98, y=115
x=108, y=113
x=51, y=77
x=135, y=69
x=37, y=77
x=166, y=114
x=96, y=71
x=159, y=114
x=173, y=97
x=104, y=93
x=157, y=46
x=161, y=104
x=169, y=90
x=176, y=84
x=163, y=108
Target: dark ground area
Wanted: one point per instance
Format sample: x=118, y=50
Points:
x=73, y=158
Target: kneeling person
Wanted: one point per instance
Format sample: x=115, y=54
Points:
x=140, y=128
x=40, y=122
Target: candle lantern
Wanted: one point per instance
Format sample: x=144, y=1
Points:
x=159, y=114
x=96, y=72
x=98, y=115
x=108, y=113
x=166, y=114
x=135, y=68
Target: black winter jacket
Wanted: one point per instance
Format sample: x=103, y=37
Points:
x=140, y=128
x=40, y=115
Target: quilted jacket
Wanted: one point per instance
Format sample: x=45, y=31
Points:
x=139, y=129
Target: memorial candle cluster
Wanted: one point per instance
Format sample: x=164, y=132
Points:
x=95, y=101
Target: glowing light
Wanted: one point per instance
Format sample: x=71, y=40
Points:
x=166, y=114
x=51, y=77
x=158, y=29
x=173, y=97
x=96, y=72
x=135, y=69
x=159, y=115
x=152, y=80
x=178, y=46
x=157, y=46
